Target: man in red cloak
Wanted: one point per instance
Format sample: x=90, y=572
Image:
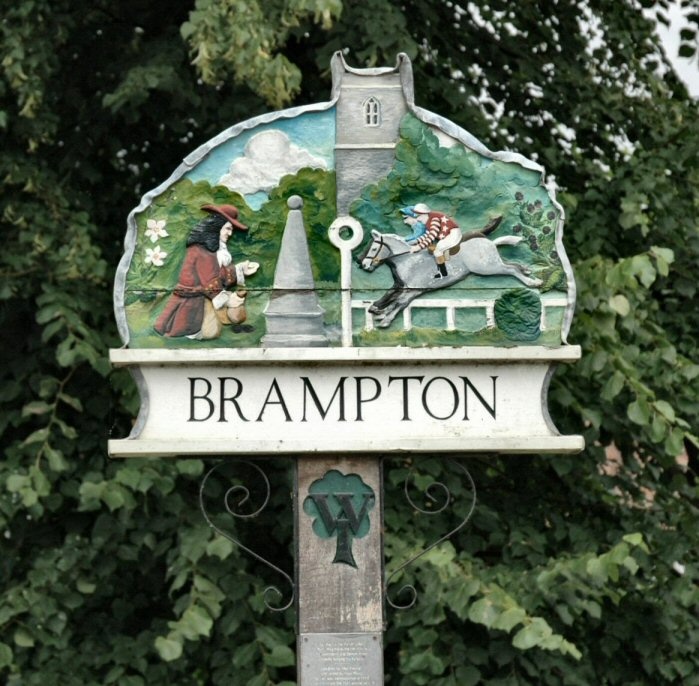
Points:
x=206, y=273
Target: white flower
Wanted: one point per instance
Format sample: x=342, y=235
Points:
x=155, y=256
x=156, y=229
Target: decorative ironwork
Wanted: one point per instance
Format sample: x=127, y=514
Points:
x=439, y=494
x=235, y=498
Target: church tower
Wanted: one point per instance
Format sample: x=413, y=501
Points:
x=370, y=105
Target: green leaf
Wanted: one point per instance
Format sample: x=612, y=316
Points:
x=643, y=269
x=280, y=656
x=639, y=412
x=23, y=638
x=113, y=496
x=5, y=655
x=56, y=459
x=220, y=547
x=36, y=407
x=169, y=649
x=75, y=403
x=38, y=436
x=620, y=304
x=509, y=619
x=467, y=676
x=598, y=569
x=613, y=386
x=483, y=612
x=196, y=621
x=441, y=556
x=635, y=539
x=85, y=586
x=190, y=467
x=16, y=482
x=665, y=409
x=245, y=654
x=532, y=635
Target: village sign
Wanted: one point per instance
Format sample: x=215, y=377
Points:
x=383, y=283
x=339, y=282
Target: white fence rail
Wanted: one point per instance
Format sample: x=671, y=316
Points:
x=450, y=306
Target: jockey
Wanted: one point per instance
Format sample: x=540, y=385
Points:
x=410, y=218
x=441, y=235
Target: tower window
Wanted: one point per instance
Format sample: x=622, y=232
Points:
x=372, y=112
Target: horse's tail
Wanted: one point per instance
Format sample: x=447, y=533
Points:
x=482, y=233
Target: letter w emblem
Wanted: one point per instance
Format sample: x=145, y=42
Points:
x=340, y=513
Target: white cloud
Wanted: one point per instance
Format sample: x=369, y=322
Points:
x=268, y=156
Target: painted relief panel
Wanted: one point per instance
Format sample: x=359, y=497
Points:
x=401, y=226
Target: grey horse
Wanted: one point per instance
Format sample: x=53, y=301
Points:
x=413, y=272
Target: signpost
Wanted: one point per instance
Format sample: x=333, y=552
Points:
x=337, y=283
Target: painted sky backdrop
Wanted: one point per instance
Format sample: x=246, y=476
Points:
x=310, y=137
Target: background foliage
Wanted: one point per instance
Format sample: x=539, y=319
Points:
x=574, y=570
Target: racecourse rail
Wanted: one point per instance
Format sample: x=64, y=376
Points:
x=450, y=307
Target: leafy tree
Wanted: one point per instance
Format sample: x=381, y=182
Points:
x=574, y=569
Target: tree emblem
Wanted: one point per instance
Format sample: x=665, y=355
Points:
x=340, y=504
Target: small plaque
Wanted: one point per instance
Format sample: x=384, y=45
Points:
x=340, y=660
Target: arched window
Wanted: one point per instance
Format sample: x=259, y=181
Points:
x=372, y=112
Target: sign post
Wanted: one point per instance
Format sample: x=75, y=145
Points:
x=337, y=283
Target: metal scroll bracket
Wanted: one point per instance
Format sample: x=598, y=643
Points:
x=439, y=497
x=235, y=499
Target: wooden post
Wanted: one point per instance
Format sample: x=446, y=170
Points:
x=340, y=606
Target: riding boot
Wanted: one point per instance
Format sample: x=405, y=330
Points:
x=442, y=271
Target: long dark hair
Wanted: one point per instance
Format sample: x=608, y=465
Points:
x=207, y=232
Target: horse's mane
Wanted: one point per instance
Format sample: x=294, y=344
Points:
x=394, y=236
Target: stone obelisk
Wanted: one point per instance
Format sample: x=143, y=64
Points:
x=294, y=315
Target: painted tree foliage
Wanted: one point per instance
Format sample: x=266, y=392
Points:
x=574, y=570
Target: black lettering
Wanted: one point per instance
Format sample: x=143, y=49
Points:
x=192, y=397
x=347, y=521
x=347, y=508
x=455, y=395
x=280, y=401
x=405, y=379
x=230, y=399
x=489, y=408
x=308, y=388
x=346, y=513
x=360, y=399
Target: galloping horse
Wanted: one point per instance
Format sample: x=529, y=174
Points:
x=413, y=273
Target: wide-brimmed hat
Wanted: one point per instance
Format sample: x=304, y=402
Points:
x=230, y=212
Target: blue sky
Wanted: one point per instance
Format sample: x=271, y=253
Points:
x=314, y=131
